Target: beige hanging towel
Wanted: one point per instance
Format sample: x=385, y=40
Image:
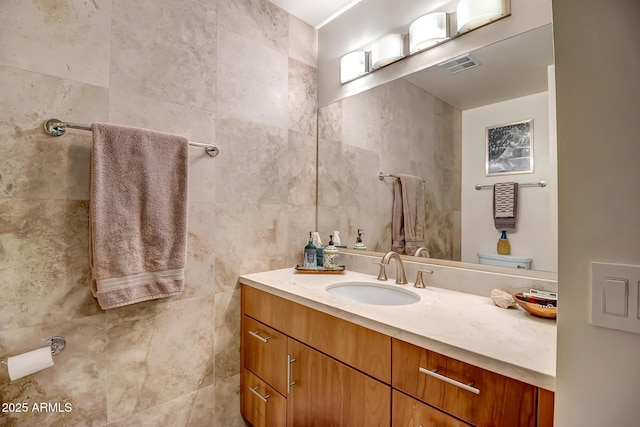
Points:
x=505, y=205
x=137, y=214
x=408, y=216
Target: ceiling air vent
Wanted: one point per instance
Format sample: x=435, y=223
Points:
x=460, y=63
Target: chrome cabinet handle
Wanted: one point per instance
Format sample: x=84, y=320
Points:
x=254, y=390
x=463, y=386
x=290, y=383
x=257, y=335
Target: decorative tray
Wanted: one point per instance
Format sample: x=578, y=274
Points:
x=534, y=308
x=319, y=270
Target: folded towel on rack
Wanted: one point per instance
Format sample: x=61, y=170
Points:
x=137, y=214
x=408, y=216
x=505, y=205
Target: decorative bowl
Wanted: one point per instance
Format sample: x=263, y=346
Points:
x=535, y=309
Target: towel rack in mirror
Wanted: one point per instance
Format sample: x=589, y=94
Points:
x=524, y=184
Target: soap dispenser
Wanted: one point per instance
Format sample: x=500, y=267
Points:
x=317, y=242
x=359, y=244
x=330, y=255
x=310, y=254
x=504, y=248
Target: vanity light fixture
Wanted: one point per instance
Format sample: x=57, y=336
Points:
x=428, y=30
x=425, y=32
x=353, y=65
x=471, y=14
x=386, y=50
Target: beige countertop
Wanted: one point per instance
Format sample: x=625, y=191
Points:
x=466, y=327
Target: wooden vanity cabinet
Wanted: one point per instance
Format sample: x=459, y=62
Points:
x=302, y=367
x=329, y=372
x=473, y=394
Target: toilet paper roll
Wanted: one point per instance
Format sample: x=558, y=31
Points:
x=29, y=363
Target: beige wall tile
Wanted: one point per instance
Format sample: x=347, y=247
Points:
x=34, y=165
x=153, y=358
x=227, y=335
x=252, y=81
x=252, y=169
x=301, y=158
x=303, y=41
x=74, y=32
x=44, y=262
x=330, y=122
x=142, y=111
x=250, y=238
x=258, y=20
x=200, y=267
x=302, y=97
x=165, y=50
x=194, y=409
x=227, y=412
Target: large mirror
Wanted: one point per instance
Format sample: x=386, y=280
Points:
x=431, y=124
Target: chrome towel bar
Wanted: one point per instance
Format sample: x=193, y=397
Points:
x=55, y=127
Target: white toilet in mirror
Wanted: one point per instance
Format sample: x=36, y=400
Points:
x=512, y=261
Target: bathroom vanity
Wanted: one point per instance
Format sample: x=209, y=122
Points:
x=450, y=359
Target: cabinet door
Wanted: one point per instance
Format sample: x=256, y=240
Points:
x=498, y=401
x=265, y=353
x=328, y=393
x=262, y=405
x=409, y=412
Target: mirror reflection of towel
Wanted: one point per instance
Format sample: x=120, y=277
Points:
x=408, y=216
x=505, y=205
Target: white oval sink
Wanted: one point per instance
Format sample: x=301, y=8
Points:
x=373, y=293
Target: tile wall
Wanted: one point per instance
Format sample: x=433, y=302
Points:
x=241, y=73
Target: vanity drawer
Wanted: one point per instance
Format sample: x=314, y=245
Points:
x=409, y=412
x=265, y=353
x=473, y=394
x=364, y=349
x=263, y=406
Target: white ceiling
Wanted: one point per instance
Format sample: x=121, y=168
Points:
x=315, y=12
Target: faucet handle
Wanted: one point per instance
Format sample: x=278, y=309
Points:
x=420, y=280
x=382, y=275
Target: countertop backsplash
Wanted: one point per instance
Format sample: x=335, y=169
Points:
x=470, y=280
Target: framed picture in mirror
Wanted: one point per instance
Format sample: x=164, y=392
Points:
x=510, y=148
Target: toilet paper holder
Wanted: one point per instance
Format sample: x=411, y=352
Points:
x=56, y=343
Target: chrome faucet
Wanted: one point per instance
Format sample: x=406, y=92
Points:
x=422, y=251
x=420, y=280
x=401, y=278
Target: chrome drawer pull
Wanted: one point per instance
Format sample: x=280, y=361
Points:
x=290, y=383
x=434, y=374
x=257, y=335
x=265, y=399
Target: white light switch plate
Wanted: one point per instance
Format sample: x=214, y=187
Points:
x=615, y=296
